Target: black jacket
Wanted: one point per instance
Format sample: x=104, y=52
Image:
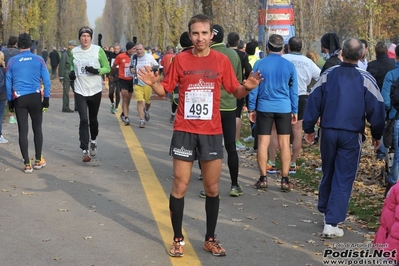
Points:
x=246, y=66
x=380, y=67
x=332, y=61
x=54, y=58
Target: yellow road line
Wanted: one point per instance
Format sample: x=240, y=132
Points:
x=158, y=201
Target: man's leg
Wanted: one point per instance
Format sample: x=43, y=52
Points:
x=147, y=101
x=346, y=165
x=273, y=146
x=263, y=144
x=284, y=143
x=65, y=95
x=21, y=112
x=297, y=140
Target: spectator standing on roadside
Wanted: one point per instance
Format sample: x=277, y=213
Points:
x=25, y=73
x=45, y=55
x=330, y=48
x=54, y=62
x=343, y=98
x=63, y=73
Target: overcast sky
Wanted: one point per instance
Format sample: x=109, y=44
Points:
x=94, y=10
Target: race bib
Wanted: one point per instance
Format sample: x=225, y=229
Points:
x=127, y=71
x=198, y=105
x=81, y=68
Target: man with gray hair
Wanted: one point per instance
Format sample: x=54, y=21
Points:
x=342, y=98
x=275, y=100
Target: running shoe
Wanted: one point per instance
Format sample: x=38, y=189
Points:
x=177, y=248
x=122, y=116
x=248, y=139
x=332, y=231
x=127, y=121
x=2, y=139
x=13, y=120
x=172, y=119
x=213, y=245
x=142, y=124
x=236, y=191
x=271, y=168
x=39, y=164
x=112, y=108
x=86, y=157
x=202, y=194
x=28, y=168
x=200, y=177
x=251, y=151
x=93, y=148
x=240, y=146
x=286, y=186
x=146, y=115
x=292, y=169
x=261, y=184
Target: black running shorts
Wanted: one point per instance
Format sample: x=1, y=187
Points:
x=189, y=146
x=264, y=123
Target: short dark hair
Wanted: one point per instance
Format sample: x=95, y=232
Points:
x=295, y=44
x=251, y=48
x=200, y=18
x=12, y=41
x=352, y=49
x=233, y=39
x=365, y=43
x=381, y=48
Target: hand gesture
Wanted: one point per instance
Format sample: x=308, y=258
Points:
x=309, y=138
x=147, y=75
x=252, y=81
x=252, y=117
x=376, y=143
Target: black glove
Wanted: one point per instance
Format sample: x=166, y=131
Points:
x=100, y=37
x=11, y=106
x=92, y=70
x=72, y=75
x=46, y=102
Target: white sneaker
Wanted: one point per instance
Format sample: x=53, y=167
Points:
x=2, y=139
x=332, y=231
x=240, y=146
x=93, y=148
x=248, y=139
x=251, y=151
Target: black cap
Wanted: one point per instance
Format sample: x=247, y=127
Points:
x=218, y=33
x=185, y=40
x=24, y=41
x=130, y=45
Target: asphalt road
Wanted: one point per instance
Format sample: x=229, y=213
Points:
x=114, y=210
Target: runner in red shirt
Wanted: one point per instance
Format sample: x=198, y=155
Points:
x=122, y=62
x=197, y=129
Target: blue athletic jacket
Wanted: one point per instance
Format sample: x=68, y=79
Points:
x=343, y=98
x=278, y=92
x=25, y=71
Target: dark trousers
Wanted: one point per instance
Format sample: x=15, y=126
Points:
x=66, y=85
x=114, y=88
x=340, y=154
x=53, y=71
x=88, y=111
x=30, y=104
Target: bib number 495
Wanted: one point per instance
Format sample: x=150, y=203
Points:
x=199, y=109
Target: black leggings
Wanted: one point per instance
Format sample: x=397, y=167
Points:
x=29, y=104
x=88, y=120
x=114, y=89
x=229, y=134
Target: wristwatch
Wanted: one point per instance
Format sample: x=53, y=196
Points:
x=251, y=111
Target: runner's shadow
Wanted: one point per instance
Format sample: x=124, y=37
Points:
x=90, y=195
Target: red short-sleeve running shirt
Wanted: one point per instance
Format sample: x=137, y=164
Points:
x=123, y=61
x=199, y=80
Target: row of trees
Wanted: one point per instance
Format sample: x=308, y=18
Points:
x=160, y=23
x=49, y=22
